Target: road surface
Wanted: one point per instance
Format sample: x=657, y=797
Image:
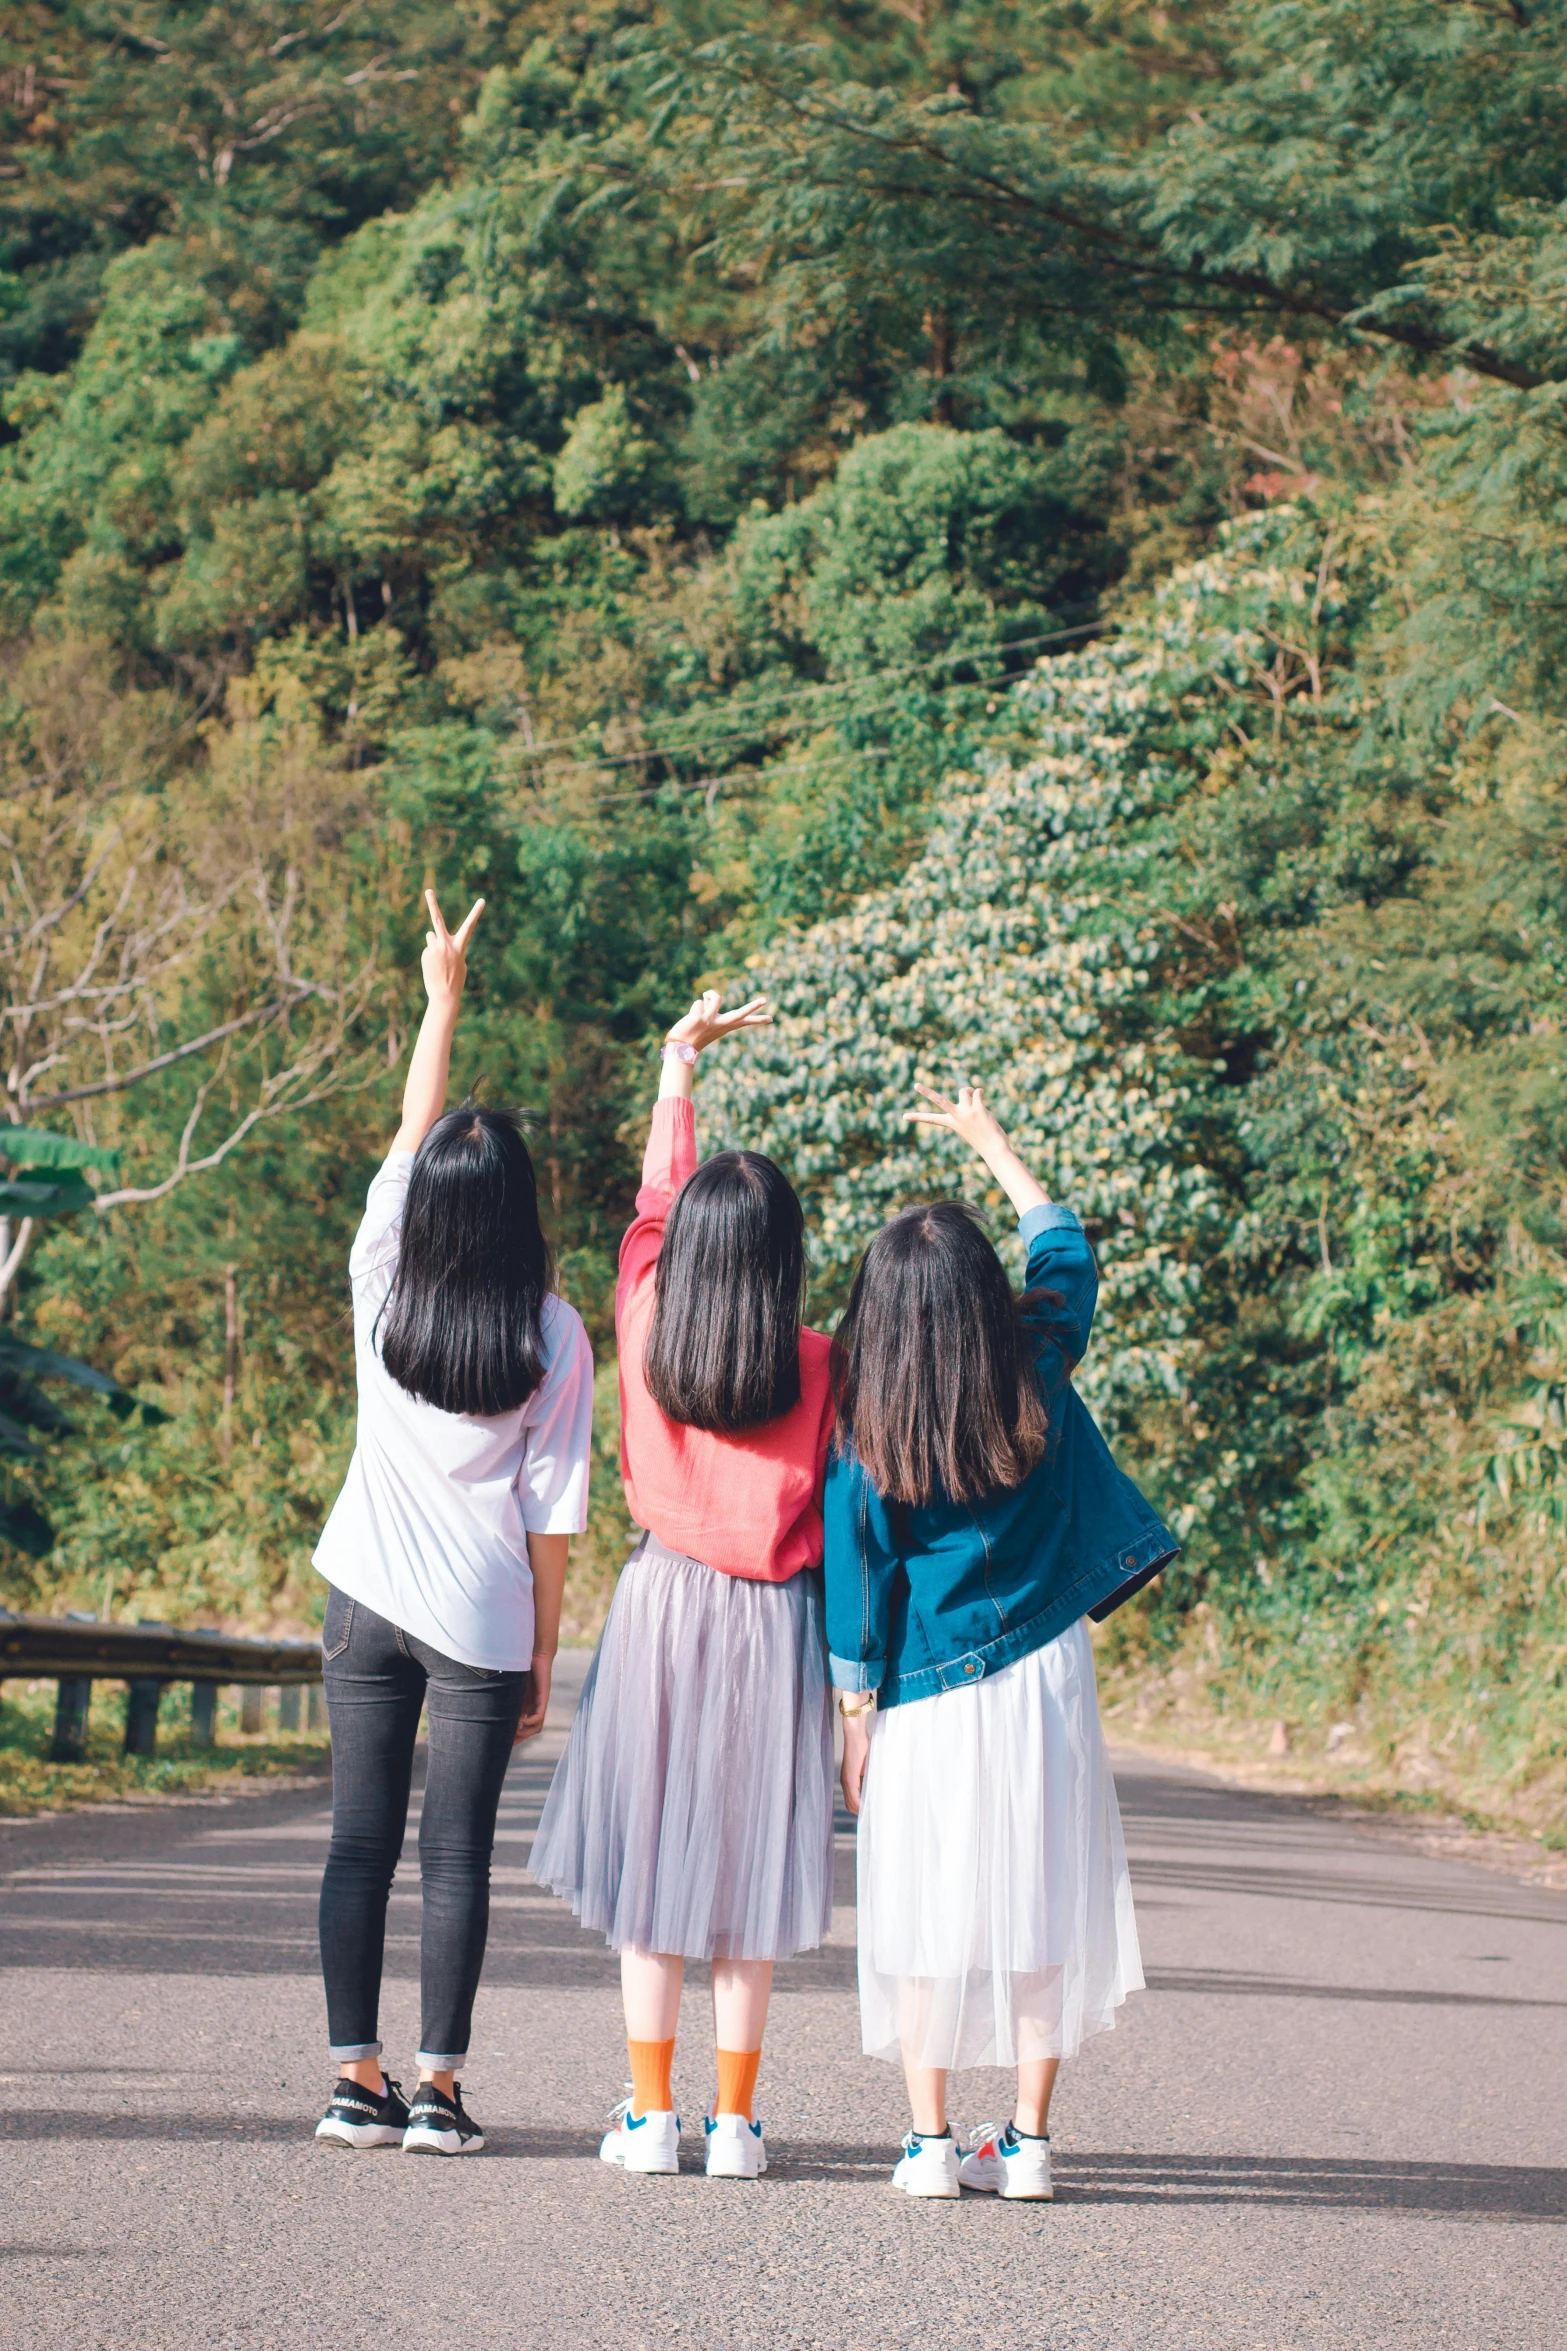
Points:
x=1338, y=2117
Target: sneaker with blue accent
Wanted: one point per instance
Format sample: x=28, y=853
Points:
x=736, y=2149
x=642, y=2142
x=928, y=2167
x=1006, y=2163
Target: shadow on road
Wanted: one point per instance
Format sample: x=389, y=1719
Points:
x=1218, y=1981
x=54, y=2253
x=1478, y=1900
x=1482, y=2191
x=1485, y=2191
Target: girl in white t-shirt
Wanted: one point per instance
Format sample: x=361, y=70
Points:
x=445, y=1555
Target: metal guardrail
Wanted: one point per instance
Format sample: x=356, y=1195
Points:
x=77, y=1651
x=38, y=1647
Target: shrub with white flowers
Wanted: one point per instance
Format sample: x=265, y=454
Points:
x=1015, y=954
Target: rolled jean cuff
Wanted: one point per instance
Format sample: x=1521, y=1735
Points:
x=353, y=2052
x=441, y=2062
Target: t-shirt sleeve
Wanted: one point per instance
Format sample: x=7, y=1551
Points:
x=373, y=1258
x=552, y=1484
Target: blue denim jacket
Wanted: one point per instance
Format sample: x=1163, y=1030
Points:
x=926, y=1599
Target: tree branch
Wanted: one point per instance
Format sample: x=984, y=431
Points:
x=147, y=1069
x=280, y=1099
x=1126, y=251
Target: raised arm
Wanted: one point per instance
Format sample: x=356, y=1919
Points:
x=445, y=967
x=670, y=1155
x=703, y=1025
x=969, y=1118
x=1062, y=1276
x=671, y=1145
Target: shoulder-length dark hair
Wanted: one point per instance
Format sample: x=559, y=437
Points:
x=933, y=1365
x=724, y=1349
x=461, y=1325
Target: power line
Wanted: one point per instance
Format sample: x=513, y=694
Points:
x=823, y=687
x=710, y=784
x=657, y=749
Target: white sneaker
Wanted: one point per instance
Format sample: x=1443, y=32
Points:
x=928, y=2167
x=1004, y=2163
x=736, y=2149
x=642, y=2142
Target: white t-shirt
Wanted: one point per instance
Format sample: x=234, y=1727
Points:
x=431, y=1527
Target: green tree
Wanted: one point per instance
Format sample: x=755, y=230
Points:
x=251, y=136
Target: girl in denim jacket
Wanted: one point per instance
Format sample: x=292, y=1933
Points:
x=974, y=1519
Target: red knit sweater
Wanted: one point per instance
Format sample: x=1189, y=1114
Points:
x=748, y=1505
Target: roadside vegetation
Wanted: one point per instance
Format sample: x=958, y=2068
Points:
x=30, y=1782
x=1035, y=530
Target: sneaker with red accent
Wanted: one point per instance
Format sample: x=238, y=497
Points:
x=1006, y=2163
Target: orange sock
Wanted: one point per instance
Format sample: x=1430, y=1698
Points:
x=737, y=2081
x=651, y=2064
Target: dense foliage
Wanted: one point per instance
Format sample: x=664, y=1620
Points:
x=1040, y=523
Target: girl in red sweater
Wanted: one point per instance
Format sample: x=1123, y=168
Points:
x=691, y=1814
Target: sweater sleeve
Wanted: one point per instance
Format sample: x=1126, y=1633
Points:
x=861, y=1567
x=669, y=1159
x=670, y=1155
x=1059, y=1261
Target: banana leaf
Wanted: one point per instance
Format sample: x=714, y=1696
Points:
x=35, y=1147
x=24, y=1402
x=31, y=1196
x=42, y=1363
x=27, y=1528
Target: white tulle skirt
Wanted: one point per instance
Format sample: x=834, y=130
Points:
x=996, y=1920
x=692, y=1810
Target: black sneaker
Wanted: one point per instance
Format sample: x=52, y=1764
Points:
x=358, y=2118
x=437, y=2124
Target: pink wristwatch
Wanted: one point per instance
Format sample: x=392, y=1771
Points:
x=673, y=1049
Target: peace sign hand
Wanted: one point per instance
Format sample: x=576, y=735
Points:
x=444, y=962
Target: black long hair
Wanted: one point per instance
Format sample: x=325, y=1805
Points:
x=724, y=1349
x=460, y=1327
x=933, y=1365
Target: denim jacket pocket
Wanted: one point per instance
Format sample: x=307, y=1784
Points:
x=337, y=1624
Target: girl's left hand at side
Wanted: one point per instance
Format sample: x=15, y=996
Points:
x=535, y=1703
x=856, y=1750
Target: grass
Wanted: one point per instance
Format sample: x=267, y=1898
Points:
x=1392, y=1752
x=30, y=1783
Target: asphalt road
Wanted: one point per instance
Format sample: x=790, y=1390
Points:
x=1337, y=2117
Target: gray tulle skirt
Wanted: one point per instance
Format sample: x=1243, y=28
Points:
x=692, y=1809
